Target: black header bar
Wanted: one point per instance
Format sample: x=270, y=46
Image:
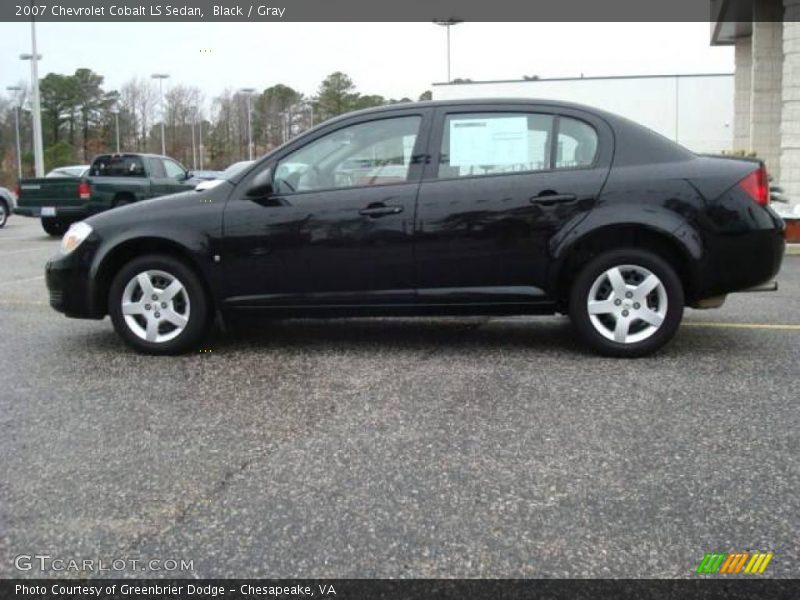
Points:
x=711, y=587
x=359, y=10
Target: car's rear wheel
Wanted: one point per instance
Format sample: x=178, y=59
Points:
x=626, y=303
x=54, y=226
x=122, y=200
x=158, y=305
x=3, y=214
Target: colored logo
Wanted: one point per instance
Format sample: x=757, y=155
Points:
x=734, y=563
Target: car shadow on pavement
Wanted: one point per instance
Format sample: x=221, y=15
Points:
x=414, y=334
x=366, y=335
x=548, y=335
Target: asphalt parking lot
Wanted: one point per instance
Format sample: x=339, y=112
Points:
x=397, y=448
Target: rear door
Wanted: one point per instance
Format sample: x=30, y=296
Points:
x=503, y=180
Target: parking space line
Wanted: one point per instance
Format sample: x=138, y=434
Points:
x=770, y=326
x=12, y=281
x=4, y=253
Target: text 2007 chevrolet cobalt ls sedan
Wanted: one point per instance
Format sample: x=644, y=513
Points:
x=448, y=208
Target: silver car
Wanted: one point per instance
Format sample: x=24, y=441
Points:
x=8, y=201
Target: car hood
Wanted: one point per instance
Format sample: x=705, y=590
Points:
x=164, y=209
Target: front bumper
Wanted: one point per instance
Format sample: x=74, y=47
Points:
x=71, y=287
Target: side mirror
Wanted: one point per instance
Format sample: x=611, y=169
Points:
x=188, y=175
x=261, y=185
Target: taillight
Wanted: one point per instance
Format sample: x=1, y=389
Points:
x=84, y=190
x=757, y=186
x=18, y=192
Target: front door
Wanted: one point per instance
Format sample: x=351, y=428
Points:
x=160, y=183
x=338, y=227
x=503, y=181
x=177, y=180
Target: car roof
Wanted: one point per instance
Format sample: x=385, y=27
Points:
x=633, y=143
x=481, y=102
x=144, y=154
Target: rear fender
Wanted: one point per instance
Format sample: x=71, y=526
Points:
x=661, y=222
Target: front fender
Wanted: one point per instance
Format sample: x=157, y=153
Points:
x=193, y=245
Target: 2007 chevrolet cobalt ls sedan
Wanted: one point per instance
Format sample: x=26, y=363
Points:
x=438, y=208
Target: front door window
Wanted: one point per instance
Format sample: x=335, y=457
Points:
x=366, y=154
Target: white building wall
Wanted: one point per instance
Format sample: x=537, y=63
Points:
x=766, y=78
x=742, y=94
x=790, y=113
x=697, y=111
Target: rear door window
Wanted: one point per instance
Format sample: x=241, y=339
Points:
x=577, y=144
x=118, y=166
x=495, y=143
x=156, y=168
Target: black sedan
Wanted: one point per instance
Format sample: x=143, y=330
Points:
x=439, y=208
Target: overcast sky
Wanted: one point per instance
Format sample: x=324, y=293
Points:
x=391, y=59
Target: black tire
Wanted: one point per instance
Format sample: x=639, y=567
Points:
x=590, y=333
x=54, y=226
x=122, y=200
x=4, y=212
x=198, y=312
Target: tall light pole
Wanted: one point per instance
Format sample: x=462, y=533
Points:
x=286, y=116
x=200, y=141
x=193, y=110
x=16, y=88
x=161, y=77
x=115, y=112
x=38, y=149
x=447, y=24
x=249, y=92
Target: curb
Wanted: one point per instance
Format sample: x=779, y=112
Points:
x=793, y=249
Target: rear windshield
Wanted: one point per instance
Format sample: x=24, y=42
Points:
x=117, y=166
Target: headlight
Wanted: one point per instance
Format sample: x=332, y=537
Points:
x=74, y=237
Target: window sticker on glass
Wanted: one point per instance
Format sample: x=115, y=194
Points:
x=492, y=141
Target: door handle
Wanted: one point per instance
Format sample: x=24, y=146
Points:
x=380, y=211
x=552, y=199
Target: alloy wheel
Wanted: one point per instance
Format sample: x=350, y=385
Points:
x=627, y=304
x=155, y=306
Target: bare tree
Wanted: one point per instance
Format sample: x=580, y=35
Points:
x=138, y=103
x=181, y=102
x=227, y=141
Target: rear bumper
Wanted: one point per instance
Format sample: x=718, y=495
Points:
x=70, y=286
x=65, y=212
x=737, y=263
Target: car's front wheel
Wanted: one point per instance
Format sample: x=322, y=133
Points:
x=54, y=227
x=158, y=306
x=626, y=303
x=3, y=214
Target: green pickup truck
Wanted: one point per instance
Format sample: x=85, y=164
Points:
x=112, y=180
